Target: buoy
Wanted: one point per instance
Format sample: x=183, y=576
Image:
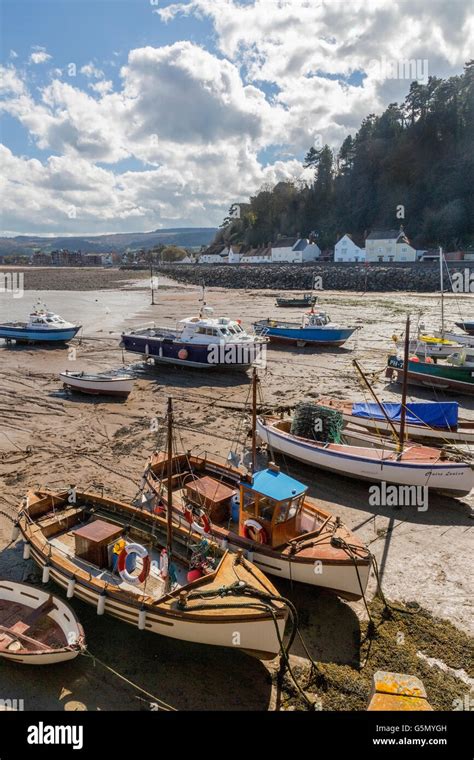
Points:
x=255, y=532
x=182, y=353
x=70, y=588
x=141, y=619
x=45, y=576
x=26, y=550
x=194, y=574
x=101, y=603
x=15, y=531
x=145, y=557
x=413, y=359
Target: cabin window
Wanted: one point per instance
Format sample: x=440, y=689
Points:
x=265, y=508
x=201, y=330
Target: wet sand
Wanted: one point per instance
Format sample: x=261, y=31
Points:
x=48, y=436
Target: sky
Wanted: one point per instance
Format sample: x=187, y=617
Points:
x=135, y=115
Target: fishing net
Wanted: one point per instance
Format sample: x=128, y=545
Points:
x=317, y=422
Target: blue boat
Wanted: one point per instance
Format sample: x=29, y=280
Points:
x=43, y=326
x=315, y=329
x=198, y=342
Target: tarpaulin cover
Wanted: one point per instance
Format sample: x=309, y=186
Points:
x=438, y=415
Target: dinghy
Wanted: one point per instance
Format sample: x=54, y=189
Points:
x=37, y=628
x=132, y=564
x=103, y=383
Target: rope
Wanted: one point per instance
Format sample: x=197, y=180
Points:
x=163, y=705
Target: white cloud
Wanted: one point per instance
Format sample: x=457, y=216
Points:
x=91, y=71
x=194, y=124
x=39, y=55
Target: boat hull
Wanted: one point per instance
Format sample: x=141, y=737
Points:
x=445, y=377
x=452, y=478
x=28, y=335
x=97, y=387
x=317, y=336
x=197, y=356
x=62, y=614
x=468, y=327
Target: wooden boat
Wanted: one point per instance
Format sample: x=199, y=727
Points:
x=443, y=376
x=43, y=326
x=182, y=588
x=37, y=628
x=316, y=329
x=415, y=466
x=103, y=383
x=307, y=299
x=268, y=516
x=437, y=422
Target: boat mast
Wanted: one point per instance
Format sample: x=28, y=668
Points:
x=254, y=419
x=441, y=279
x=169, y=496
x=401, y=437
x=381, y=406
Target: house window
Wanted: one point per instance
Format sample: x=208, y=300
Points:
x=380, y=258
x=390, y=258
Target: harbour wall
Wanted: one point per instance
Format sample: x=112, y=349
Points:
x=418, y=277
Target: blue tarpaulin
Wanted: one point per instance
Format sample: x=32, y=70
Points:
x=438, y=415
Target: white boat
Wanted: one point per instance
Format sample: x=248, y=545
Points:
x=43, y=326
x=416, y=466
x=103, y=383
x=37, y=628
x=434, y=346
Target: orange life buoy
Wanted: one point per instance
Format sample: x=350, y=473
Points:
x=255, y=532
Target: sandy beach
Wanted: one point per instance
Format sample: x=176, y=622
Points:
x=51, y=437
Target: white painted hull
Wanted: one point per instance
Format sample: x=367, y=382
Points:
x=96, y=386
x=258, y=636
x=454, y=478
x=62, y=614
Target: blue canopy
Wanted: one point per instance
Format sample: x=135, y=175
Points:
x=276, y=485
x=432, y=413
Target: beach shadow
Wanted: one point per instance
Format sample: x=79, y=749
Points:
x=349, y=492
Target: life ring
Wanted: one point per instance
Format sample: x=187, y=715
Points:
x=260, y=535
x=140, y=550
x=193, y=515
x=182, y=353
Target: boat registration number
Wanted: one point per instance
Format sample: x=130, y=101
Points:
x=394, y=361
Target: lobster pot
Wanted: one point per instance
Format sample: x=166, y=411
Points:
x=317, y=422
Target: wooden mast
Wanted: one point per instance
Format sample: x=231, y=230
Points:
x=387, y=418
x=169, y=495
x=401, y=437
x=254, y=419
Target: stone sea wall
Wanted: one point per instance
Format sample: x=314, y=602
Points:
x=416, y=277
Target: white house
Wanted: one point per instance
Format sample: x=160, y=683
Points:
x=217, y=257
x=260, y=255
x=347, y=250
x=294, y=251
x=389, y=245
x=188, y=259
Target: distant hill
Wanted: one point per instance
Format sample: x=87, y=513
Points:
x=182, y=236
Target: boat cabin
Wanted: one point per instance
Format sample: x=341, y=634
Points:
x=316, y=319
x=202, y=330
x=274, y=501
